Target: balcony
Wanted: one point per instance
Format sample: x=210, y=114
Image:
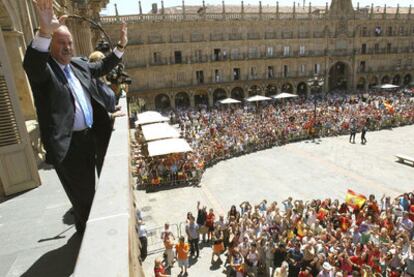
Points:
x=112, y=217
x=221, y=57
x=40, y=240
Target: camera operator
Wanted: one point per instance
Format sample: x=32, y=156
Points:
x=118, y=78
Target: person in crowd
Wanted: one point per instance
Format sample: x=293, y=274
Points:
x=211, y=217
x=159, y=270
x=142, y=236
x=326, y=270
x=182, y=250
x=191, y=230
x=364, y=132
x=252, y=260
x=237, y=263
x=282, y=271
x=201, y=220
x=168, y=239
x=353, y=128
x=218, y=246
x=70, y=111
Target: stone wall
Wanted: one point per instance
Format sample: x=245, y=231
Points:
x=165, y=51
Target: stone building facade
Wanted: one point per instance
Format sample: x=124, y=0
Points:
x=20, y=146
x=192, y=55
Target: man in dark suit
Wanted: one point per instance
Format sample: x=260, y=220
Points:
x=70, y=111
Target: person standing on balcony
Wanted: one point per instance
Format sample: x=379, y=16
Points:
x=70, y=111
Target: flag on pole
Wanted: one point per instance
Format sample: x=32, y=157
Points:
x=389, y=107
x=354, y=200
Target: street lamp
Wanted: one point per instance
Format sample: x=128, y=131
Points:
x=315, y=85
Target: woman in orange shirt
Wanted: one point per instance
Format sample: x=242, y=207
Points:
x=182, y=249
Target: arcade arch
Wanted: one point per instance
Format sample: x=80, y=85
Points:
x=287, y=87
x=237, y=93
x=219, y=94
x=338, y=76
x=396, y=80
x=407, y=79
x=270, y=90
x=302, y=89
x=361, y=83
x=182, y=100
x=385, y=80
x=162, y=102
x=373, y=81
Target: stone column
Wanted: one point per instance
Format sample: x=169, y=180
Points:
x=15, y=49
x=191, y=96
x=82, y=37
x=172, y=99
x=150, y=102
x=26, y=20
x=210, y=98
x=277, y=9
x=295, y=88
x=228, y=93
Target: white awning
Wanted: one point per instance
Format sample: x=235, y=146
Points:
x=159, y=131
x=229, y=101
x=284, y=95
x=168, y=146
x=258, y=98
x=387, y=86
x=150, y=117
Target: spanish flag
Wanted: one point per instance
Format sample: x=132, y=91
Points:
x=354, y=200
x=389, y=107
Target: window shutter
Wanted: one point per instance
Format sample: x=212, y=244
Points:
x=9, y=132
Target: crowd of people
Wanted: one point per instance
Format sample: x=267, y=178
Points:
x=297, y=238
x=225, y=132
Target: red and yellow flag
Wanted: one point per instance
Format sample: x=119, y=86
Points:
x=354, y=200
x=389, y=107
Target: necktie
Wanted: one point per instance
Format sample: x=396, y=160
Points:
x=79, y=94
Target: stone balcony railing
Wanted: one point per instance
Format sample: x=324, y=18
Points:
x=110, y=244
x=245, y=16
x=207, y=17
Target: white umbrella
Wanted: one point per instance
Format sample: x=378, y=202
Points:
x=168, y=146
x=387, y=86
x=159, y=131
x=258, y=98
x=229, y=101
x=150, y=117
x=284, y=95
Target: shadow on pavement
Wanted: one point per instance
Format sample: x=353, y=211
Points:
x=68, y=217
x=58, y=262
x=10, y=197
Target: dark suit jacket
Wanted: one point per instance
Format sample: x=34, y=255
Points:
x=54, y=102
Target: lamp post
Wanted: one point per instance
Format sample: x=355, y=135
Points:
x=315, y=85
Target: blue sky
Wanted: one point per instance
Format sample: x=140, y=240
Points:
x=131, y=6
